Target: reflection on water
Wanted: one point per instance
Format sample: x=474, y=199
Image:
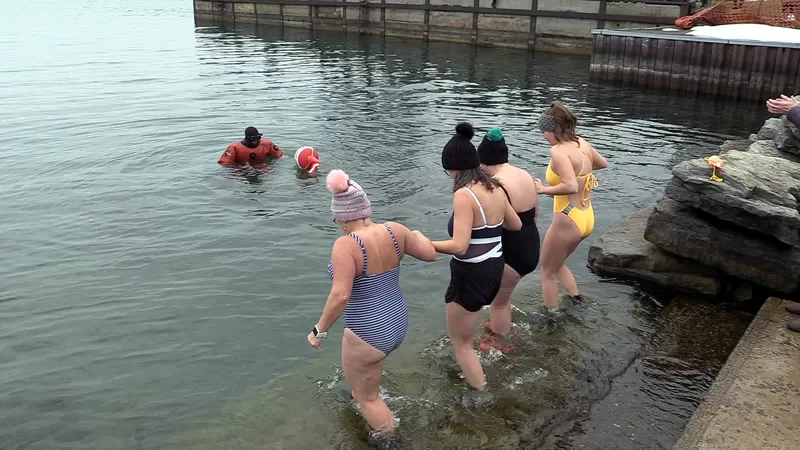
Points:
x=152, y=298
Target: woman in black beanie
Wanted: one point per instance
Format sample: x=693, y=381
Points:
x=480, y=213
x=520, y=248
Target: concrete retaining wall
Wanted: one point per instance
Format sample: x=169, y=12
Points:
x=560, y=25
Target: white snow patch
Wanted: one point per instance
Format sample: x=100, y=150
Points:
x=748, y=32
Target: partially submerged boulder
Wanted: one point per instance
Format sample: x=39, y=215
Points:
x=757, y=193
x=680, y=230
x=622, y=251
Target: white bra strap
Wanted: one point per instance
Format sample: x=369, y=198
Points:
x=483, y=215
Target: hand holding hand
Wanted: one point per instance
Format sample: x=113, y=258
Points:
x=781, y=105
x=314, y=341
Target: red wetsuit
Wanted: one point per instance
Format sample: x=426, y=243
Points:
x=238, y=153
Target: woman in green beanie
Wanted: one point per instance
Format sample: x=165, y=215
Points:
x=521, y=248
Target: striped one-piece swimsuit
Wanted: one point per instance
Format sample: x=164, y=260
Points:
x=376, y=311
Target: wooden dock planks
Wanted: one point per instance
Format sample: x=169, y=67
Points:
x=679, y=62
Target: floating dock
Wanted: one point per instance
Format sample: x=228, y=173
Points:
x=755, y=401
x=669, y=58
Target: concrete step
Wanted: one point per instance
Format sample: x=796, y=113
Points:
x=755, y=401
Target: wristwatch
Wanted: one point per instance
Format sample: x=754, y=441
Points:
x=319, y=334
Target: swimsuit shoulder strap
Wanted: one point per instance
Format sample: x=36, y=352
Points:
x=483, y=215
x=363, y=252
x=583, y=161
x=590, y=182
x=396, y=247
x=507, y=196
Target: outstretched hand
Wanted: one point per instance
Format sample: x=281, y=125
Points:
x=781, y=105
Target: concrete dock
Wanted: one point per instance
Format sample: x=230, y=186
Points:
x=755, y=401
x=554, y=25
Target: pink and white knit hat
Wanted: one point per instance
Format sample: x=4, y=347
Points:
x=349, y=200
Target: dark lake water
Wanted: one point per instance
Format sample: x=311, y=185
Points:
x=152, y=299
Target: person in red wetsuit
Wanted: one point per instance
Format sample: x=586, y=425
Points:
x=253, y=150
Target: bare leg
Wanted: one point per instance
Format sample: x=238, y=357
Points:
x=461, y=325
x=500, y=309
x=362, y=365
x=560, y=241
x=567, y=281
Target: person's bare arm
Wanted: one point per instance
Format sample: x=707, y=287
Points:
x=598, y=162
x=462, y=226
x=416, y=243
x=344, y=271
x=563, y=167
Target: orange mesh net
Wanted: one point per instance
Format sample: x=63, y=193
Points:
x=780, y=13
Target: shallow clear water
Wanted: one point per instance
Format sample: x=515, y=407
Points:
x=151, y=298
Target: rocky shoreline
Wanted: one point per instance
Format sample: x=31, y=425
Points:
x=726, y=239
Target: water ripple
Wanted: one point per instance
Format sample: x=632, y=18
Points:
x=145, y=286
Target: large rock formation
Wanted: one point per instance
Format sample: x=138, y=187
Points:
x=755, y=193
x=623, y=252
x=719, y=237
x=682, y=231
x=765, y=148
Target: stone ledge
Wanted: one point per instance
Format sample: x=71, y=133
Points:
x=755, y=401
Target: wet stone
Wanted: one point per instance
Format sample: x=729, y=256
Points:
x=787, y=137
x=623, y=252
x=740, y=253
x=756, y=193
x=770, y=129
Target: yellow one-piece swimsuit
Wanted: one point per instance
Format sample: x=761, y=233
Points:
x=583, y=218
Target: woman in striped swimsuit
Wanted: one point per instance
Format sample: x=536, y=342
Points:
x=365, y=269
x=480, y=213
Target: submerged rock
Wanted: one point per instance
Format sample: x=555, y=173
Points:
x=622, y=251
x=757, y=193
x=683, y=231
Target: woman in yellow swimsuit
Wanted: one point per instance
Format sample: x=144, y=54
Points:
x=570, y=180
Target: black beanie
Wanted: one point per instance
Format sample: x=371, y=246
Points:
x=493, y=149
x=459, y=153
